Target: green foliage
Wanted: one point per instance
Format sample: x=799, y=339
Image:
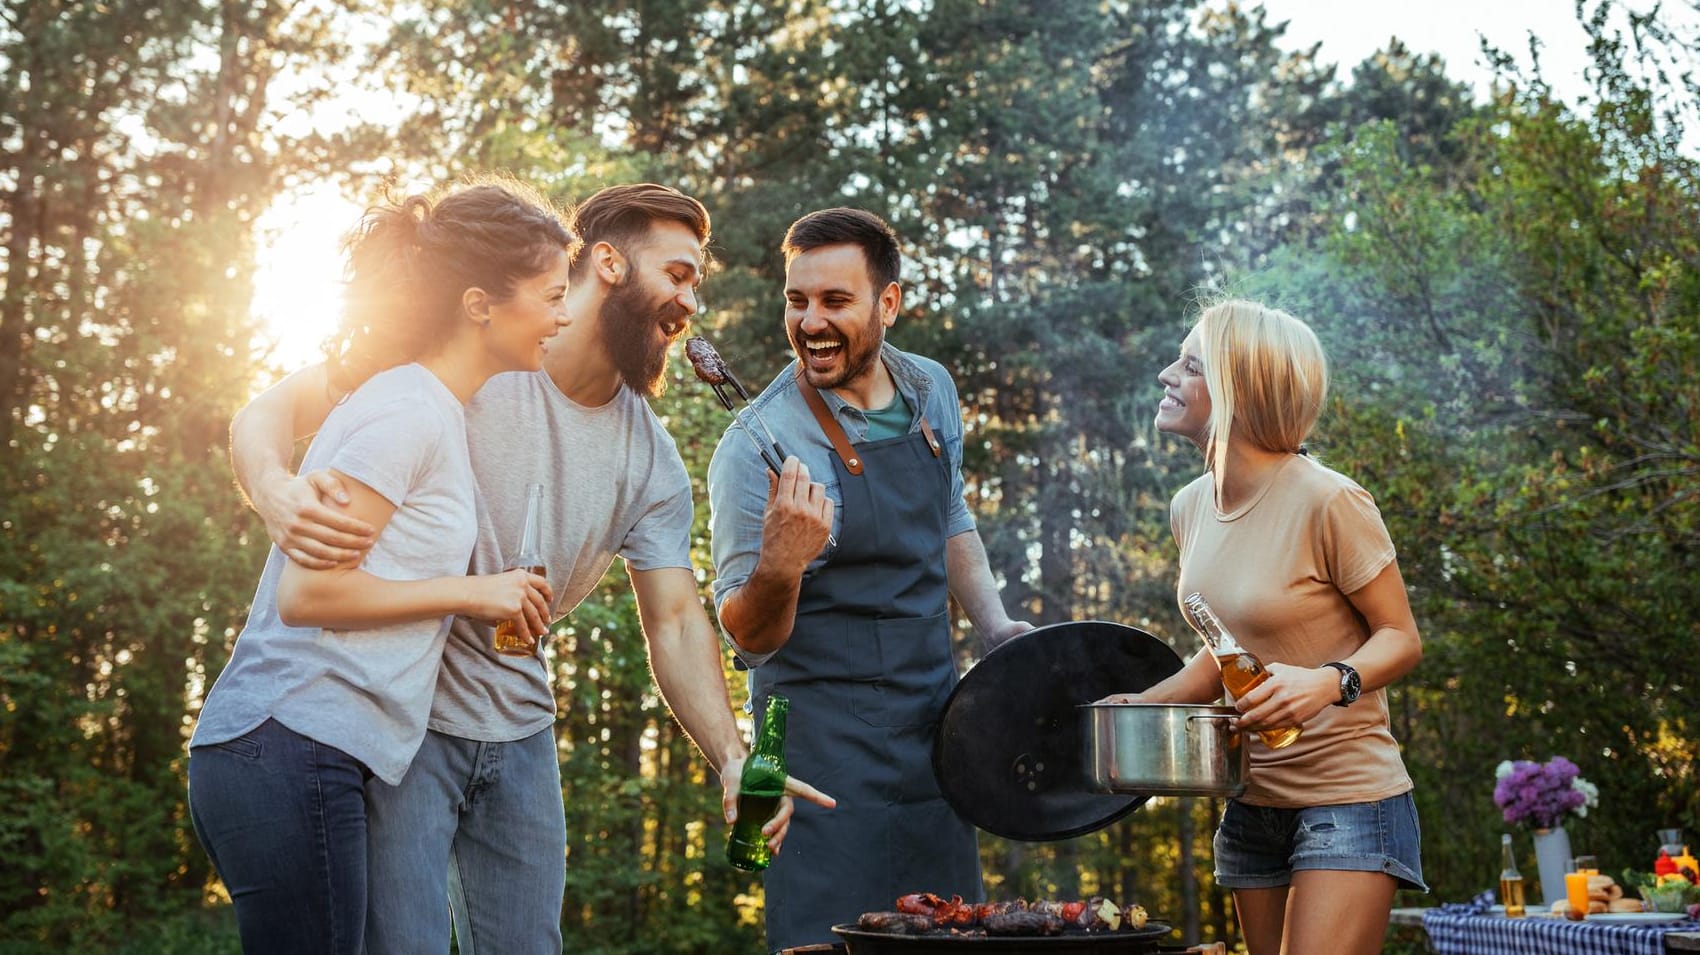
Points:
x=1517, y=390
x=135, y=171
x=1509, y=293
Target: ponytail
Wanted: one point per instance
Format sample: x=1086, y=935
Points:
x=409, y=263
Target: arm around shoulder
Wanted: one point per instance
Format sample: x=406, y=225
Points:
x=263, y=433
x=305, y=516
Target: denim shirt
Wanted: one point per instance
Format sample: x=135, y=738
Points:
x=737, y=477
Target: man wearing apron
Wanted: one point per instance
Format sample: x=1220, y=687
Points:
x=834, y=590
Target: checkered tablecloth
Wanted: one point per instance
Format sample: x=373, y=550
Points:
x=1471, y=928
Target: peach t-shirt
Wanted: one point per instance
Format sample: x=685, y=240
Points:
x=1277, y=571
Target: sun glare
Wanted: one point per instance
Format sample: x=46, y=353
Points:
x=298, y=274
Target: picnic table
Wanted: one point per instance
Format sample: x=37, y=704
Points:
x=1477, y=928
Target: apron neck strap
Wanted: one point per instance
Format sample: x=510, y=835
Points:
x=835, y=431
x=830, y=426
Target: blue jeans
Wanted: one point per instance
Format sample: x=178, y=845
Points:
x=284, y=820
x=477, y=829
x=1259, y=847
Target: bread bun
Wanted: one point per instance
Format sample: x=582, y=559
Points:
x=1624, y=905
x=1599, y=883
x=1596, y=907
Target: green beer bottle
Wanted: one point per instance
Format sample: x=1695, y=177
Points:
x=759, y=790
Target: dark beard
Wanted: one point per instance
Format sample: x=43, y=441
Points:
x=859, y=356
x=628, y=321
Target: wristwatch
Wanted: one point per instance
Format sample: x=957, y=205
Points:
x=1350, y=684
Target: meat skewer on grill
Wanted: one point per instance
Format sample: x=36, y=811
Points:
x=1044, y=917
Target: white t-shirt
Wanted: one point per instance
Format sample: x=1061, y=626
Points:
x=365, y=692
x=614, y=485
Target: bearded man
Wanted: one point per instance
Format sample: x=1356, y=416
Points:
x=478, y=820
x=834, y=591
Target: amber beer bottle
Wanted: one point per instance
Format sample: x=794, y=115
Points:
x=530, y=557
x=1241, y=669
x=759, y=790
x=1510, y=880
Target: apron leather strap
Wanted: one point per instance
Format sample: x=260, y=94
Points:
x=835, y=431
x=932, y=439
x=830, y=427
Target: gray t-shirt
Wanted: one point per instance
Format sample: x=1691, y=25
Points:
x=365, y=692
x=614, y=485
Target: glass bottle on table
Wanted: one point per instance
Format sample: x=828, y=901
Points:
x=529, y=557
x=1241, y=669
x=1510, y=880
x=760, y=787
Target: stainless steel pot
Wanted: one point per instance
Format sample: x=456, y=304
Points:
x=1163, y=749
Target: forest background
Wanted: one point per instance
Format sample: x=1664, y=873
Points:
x=1509, y=289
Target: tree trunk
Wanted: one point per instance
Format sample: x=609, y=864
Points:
x=24, y=215
x=1186, y=832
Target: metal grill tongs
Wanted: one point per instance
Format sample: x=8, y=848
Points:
x=712, y=369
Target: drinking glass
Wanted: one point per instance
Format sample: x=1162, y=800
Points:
x=1576, y=892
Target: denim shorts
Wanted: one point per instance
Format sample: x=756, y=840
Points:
x=1260, y=847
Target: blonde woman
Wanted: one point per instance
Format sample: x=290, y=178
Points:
x=1295, y=560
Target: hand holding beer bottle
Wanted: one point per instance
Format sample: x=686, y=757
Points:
x=530, y=558
x=760, y=788
x=1241, y=669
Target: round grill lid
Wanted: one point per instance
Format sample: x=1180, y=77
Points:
x=1010, y=753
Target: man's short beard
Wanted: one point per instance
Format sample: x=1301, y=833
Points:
x=857, y=361
x=628, y=323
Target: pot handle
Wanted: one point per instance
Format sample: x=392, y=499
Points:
x=1214, y=948
x=1213, y=716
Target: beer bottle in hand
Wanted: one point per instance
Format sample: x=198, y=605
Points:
x=759, y=790
x=1241, y=669
x=530, y=557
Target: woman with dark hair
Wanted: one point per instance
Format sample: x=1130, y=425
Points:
x=331, y=680
x=1294, y=559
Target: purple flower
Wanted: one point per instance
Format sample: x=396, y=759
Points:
x=1539, y=795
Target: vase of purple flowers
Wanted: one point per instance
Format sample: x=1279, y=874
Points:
x=1539, y=796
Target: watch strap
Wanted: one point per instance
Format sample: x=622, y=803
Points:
x=1347, y=673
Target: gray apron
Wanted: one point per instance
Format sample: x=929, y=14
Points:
x=868, y=668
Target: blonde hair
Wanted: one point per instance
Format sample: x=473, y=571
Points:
x=1265, y=371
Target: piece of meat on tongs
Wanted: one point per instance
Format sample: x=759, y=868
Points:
x=712, y=369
